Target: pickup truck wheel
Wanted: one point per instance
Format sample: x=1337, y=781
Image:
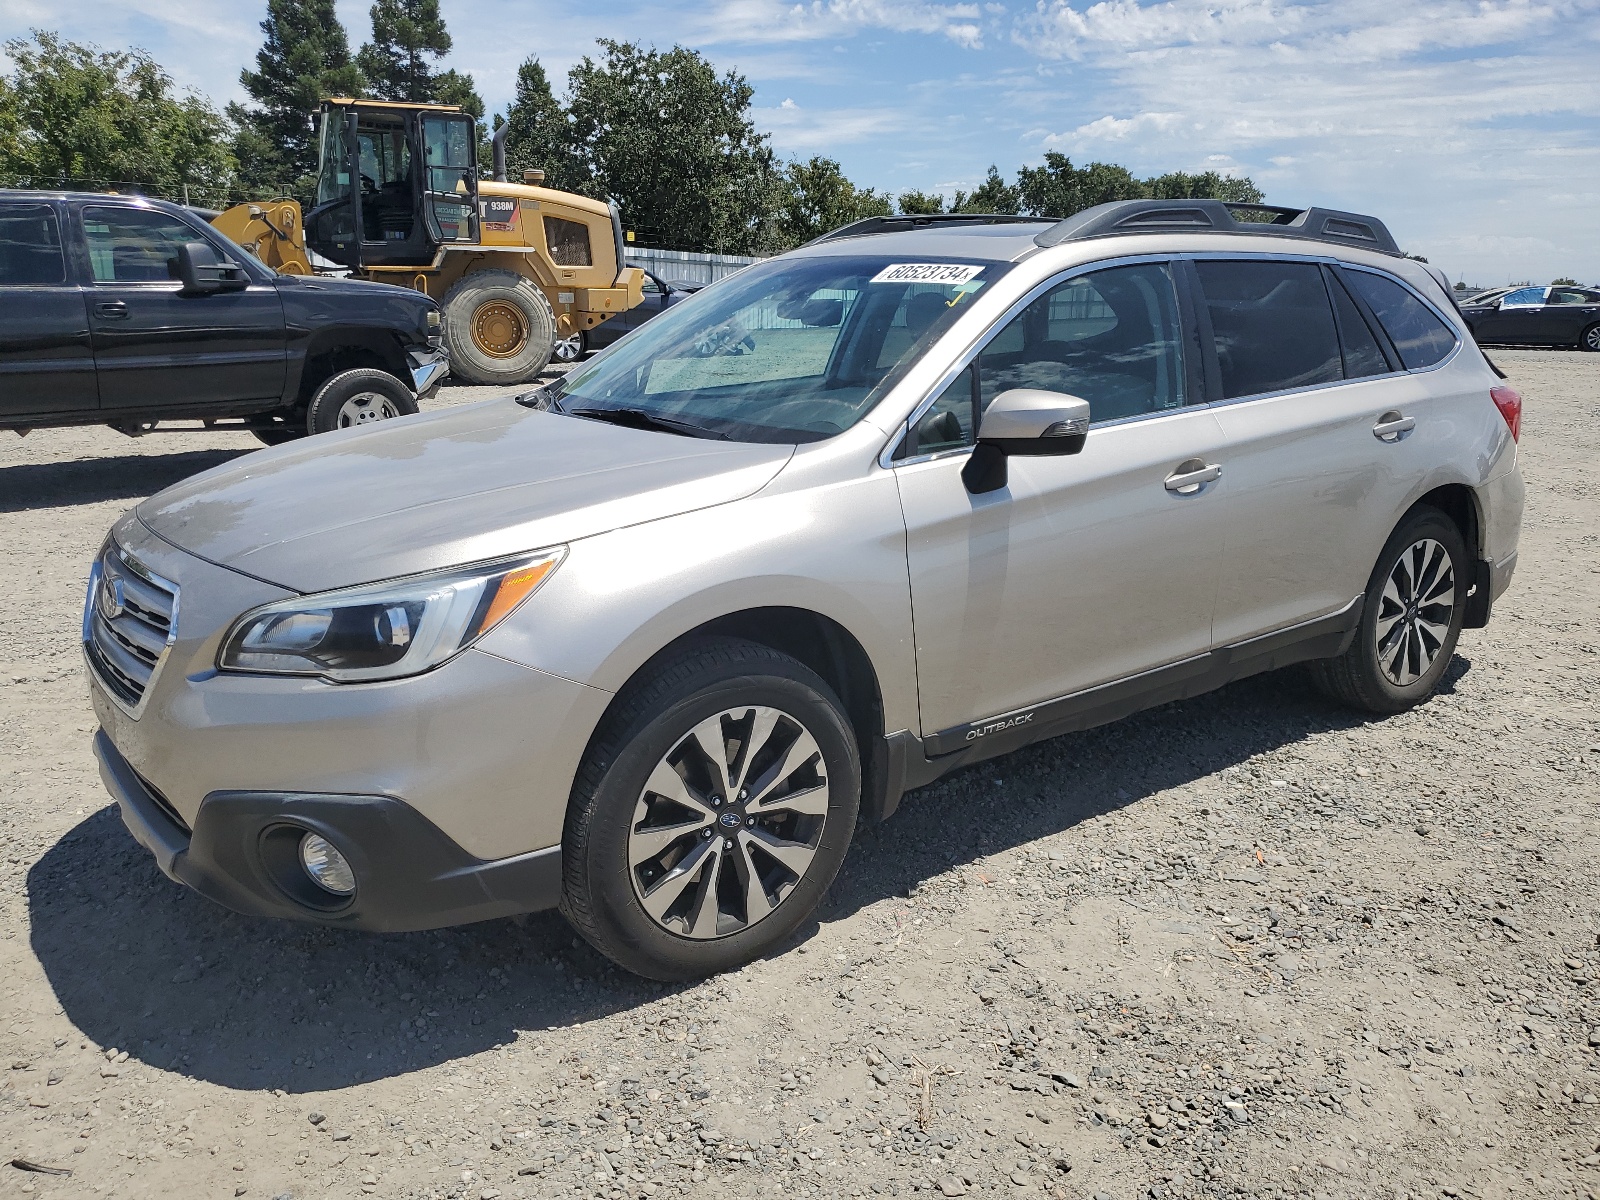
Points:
x=498, y=327
x=710, y=813
x=362, y=396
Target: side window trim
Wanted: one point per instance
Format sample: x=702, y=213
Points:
x=1366, y=311
x=1199, y=332
x=902, y=431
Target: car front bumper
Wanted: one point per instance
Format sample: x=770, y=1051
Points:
x=243, y=853
x=429, y=368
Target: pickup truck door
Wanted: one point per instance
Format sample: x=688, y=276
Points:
x=46, y=363
x=155, y=348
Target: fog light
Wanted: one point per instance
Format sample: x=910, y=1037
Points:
x=328, y=869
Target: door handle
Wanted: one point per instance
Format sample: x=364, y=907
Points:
x=1191, y=476
x=1391, y=427
x=112, y=310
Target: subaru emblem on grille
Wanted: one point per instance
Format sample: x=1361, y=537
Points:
x=113, y=600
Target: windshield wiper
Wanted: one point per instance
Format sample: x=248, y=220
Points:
x=640, y=418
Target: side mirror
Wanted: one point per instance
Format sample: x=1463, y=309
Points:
x=202, y=273
x=1024, y=421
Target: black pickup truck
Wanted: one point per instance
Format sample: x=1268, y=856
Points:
x=128, y=312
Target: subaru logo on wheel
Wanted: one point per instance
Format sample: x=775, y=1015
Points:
x=729, y=819
x=113, y=602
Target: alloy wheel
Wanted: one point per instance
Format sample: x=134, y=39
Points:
x=568, y=349
x=728, y=822
x=499, y=329
x=366, y=407
x=1591, y=339
x=1415, y=612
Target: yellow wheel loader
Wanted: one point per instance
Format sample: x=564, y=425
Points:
x=518, y=269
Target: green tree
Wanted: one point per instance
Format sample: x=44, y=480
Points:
x=304, y=59
x=671, y=141
x=1208, y=185
x=917, y=203
x=993, y=195
x=1562, y=282
x=406, y=34
x=82, y=116
x=1059, y=189
x=815, y=197
x=540, y=135
x=459, y=88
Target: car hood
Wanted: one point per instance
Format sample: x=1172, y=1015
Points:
x=471, y=483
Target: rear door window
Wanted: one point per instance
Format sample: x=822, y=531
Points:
x=1421, y=338
x=1272, y=326
x=1363, y=355
x=30, y=246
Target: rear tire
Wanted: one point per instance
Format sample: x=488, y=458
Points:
x=763, y=831
x=363, y=396
x=1411, y=618
x=499, y=328
x=1590, y=339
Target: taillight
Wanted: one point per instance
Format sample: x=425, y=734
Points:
x=1509, y=402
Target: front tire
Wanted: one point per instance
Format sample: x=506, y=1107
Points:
x=363, y=396
x=499, y=328
x=1410, y=620
x=711, y=812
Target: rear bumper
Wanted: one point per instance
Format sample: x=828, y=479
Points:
x=243, y=854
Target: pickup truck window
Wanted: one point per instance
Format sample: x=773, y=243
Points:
x=30, y=246
x=133, y=245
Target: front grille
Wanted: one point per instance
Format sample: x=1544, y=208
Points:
x=128, y=619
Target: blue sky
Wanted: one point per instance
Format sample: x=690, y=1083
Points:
x=1469, y=126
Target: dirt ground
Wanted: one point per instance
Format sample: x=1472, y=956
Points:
x=1249, y=944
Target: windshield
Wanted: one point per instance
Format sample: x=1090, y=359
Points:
x=791, y=350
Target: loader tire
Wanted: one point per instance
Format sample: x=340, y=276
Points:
x=498, y=327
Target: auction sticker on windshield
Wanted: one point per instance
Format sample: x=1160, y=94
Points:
x=926, y=273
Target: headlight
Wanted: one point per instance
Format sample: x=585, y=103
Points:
x=384, y=630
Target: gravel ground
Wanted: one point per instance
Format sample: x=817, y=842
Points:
x=1249, y=944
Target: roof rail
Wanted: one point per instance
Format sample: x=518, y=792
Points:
x=921, y=221
x=1217, y=216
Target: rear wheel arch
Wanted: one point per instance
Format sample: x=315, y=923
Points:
x=1460, y=503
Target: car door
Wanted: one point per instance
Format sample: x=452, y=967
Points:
x=1083, y=569
x=1325, y=432
x=1569, y=313
x=156, y=348
x=1518, y=318
x=46, y=361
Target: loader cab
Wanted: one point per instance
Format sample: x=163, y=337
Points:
x=395, y=183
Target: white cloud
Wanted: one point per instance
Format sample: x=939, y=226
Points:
x=804, y=131
x=756, y=21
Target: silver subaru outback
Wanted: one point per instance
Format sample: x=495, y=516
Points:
x=647, y=644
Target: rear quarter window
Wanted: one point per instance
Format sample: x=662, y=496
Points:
x=1419, y=336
